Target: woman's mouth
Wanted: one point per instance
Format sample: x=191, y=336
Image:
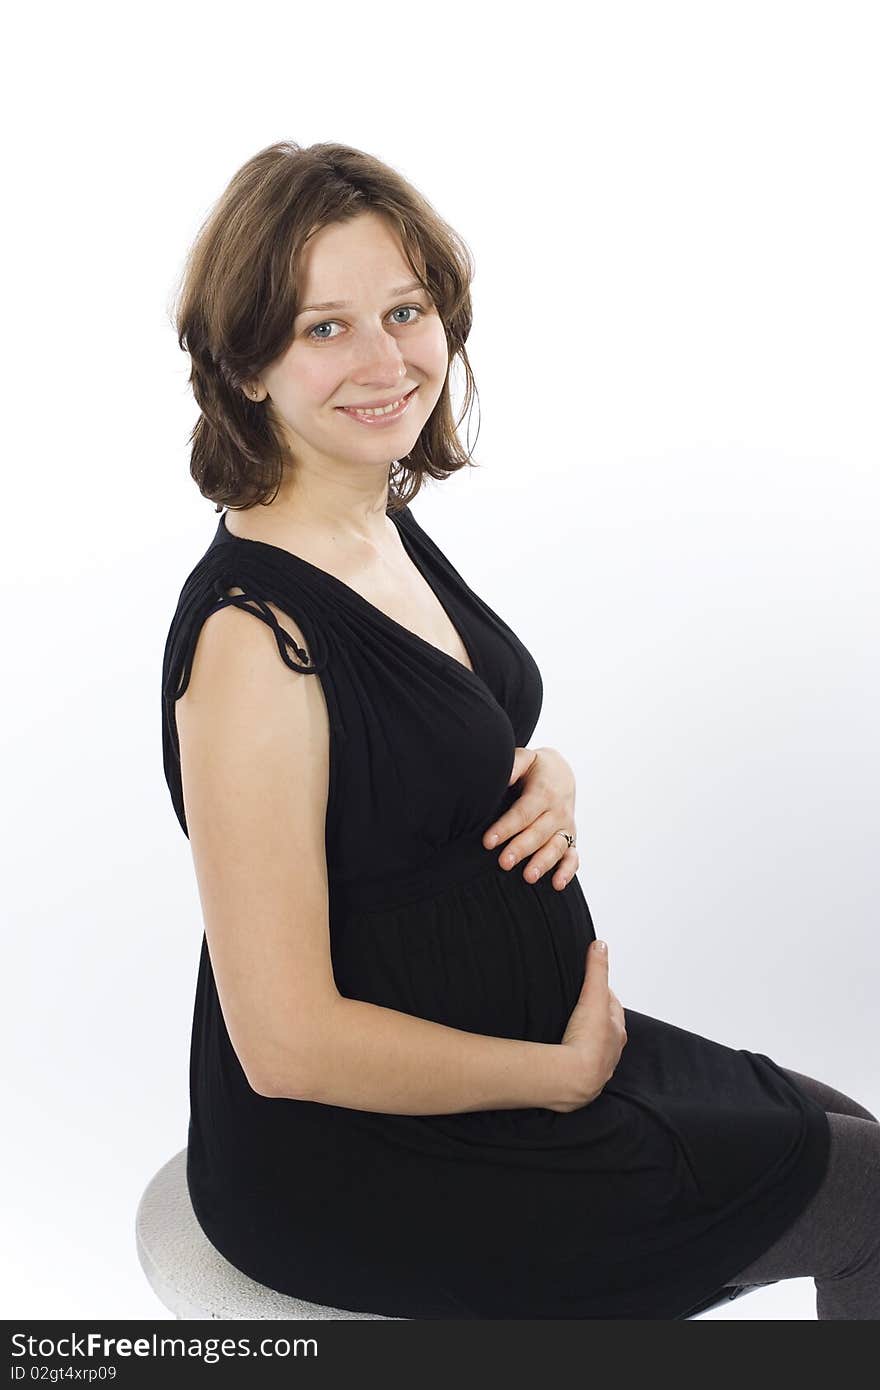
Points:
x=395, y=411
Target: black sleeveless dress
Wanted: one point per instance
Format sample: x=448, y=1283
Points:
x=694, y=1158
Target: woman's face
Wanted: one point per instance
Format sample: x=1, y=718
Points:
x=386, y=339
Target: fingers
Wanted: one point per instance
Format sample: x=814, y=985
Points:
x=596, y=976
x=567, y=868
x=519, y=820
x=542, y=846
x=557, y=852
x=515, y=818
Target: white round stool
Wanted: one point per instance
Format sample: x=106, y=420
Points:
x=193, y=1279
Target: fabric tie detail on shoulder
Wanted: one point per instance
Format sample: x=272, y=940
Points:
x=283, y=638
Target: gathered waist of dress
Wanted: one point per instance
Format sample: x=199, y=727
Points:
x=452, y=863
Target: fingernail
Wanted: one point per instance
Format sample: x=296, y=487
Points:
x=601, y=946
x=492, y=840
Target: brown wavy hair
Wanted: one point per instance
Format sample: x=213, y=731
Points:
x=237, y=299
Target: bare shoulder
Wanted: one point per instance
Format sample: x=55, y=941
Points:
x=236, y=664
x=254, y=760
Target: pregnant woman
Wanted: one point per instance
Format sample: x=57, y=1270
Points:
x=413, y=1091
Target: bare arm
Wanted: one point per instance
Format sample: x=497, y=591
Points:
x=254, y=742
x=379, y=1059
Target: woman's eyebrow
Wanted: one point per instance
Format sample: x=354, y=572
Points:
x=346, y=303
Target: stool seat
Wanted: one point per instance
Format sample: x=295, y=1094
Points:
x=190, y=1277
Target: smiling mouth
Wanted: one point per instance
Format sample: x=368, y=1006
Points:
x=393, y=411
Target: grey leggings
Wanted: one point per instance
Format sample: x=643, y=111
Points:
x=836, y=1238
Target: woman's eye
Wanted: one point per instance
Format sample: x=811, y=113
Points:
x=330, y=323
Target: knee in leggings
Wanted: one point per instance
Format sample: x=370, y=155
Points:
x=836, y=1238
x=852, y=1220
x=829, y=1097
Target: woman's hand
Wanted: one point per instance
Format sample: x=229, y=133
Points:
x=595, y=1036
x=544, y=807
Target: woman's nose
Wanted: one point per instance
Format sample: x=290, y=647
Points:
x=378, y=358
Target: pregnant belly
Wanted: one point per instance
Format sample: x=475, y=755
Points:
x=492, y=954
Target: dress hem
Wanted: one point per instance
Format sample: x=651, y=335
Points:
x=677, y=1295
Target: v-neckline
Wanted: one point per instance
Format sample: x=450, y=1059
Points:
x=358, y=597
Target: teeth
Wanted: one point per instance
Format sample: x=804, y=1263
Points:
x=379, y=410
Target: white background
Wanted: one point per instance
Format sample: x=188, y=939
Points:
x=673, y=213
